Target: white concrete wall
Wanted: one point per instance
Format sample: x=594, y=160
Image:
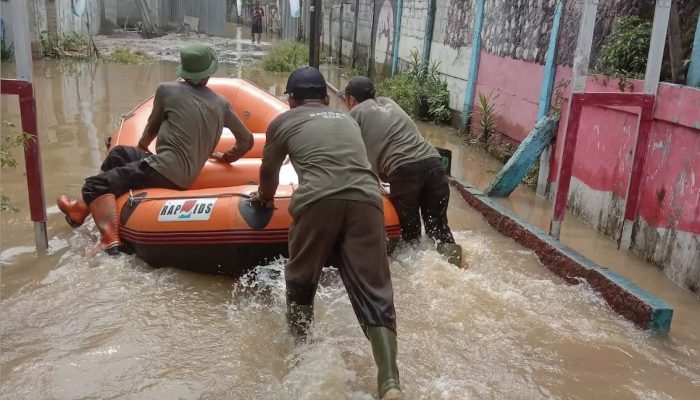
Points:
x=454, y=62
x=128, y=11
x=110, y=12
x=6, y=15
x=88, y=22
x=37, y=21
x=413, y=19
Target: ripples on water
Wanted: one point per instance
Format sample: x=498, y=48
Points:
x=505, y=328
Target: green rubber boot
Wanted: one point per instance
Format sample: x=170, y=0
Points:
x=384, y=350
x=452, y=252
x=299, y=319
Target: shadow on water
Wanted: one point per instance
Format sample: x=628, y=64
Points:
x=77, y=327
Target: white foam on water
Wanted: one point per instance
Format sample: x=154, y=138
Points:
x=504, y=328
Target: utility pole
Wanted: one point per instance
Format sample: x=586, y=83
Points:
x=315, y=42
x=354, y=32
x=340, y=23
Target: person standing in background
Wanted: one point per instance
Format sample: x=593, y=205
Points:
x=256, y=15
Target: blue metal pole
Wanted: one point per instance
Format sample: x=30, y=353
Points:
x=550, y=68
x=397, y=37
x=550, y=72
x=474, y=67
x=428, y=38
x=694, y=67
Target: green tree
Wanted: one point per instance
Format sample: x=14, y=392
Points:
x=624, y=54
x=11, y=139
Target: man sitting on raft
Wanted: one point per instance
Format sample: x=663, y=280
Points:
x=187, y=118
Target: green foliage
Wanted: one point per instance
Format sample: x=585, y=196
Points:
x=402, y=89
x=72, y=45
x=330, y=60
x=352, y=72
x=123, y=55
x=10, y=140
x=286, y=56
x=486, y=114
x=530, y=179
x=419, y=91
x=435, y=95
x=624, y=55
x=7, y=53
x=558, y=98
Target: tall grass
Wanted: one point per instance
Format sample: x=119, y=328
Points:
x=123, y=55
x=286, y=57
x=73, y=45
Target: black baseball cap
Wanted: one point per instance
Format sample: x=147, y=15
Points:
x=360, y=87
x=304, y=81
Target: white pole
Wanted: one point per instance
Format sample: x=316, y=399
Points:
x=23, y=47
x=651, y=85
x=656, y=47
x=578, y=84
x=42, y=23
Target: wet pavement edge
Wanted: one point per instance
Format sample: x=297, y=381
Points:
x=624, y=297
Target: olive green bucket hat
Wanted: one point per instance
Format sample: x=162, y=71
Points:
x=197, y=61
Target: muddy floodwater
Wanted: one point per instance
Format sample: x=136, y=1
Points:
x=77, y=327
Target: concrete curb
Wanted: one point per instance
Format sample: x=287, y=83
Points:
x=624, y=297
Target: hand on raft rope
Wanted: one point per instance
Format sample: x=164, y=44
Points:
x=254, y=199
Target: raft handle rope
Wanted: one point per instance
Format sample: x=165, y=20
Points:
x=133, y=199
x=124, y=117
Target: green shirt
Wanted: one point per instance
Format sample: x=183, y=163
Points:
x=390, y=135
x=327, y=152
x=189, y=121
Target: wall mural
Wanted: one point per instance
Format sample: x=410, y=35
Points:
x=78, y=7
x=384, y=18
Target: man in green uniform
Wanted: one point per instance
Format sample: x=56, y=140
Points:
x=187, y=118
x=338, y=217
x=412, y=166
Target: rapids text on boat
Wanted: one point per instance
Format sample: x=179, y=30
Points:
x=211, y=227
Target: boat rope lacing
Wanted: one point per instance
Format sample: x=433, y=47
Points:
x=133, y=199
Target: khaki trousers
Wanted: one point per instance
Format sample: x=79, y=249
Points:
x=349, y=235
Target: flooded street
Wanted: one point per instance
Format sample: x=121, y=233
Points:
x=75, y=327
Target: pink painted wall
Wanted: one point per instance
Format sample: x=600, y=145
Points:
x=515, y=87
x=670, y=191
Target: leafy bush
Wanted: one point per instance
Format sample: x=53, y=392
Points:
x=352, y=72
x=624, y=55
x=286, y=56
x=402, y=89
x=7, y=53
x=10, y=140
x=419, y=91
x=72, y=45
x=434, y=94
x=123, y=55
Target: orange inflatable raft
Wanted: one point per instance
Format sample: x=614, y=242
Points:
x=212, y=227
